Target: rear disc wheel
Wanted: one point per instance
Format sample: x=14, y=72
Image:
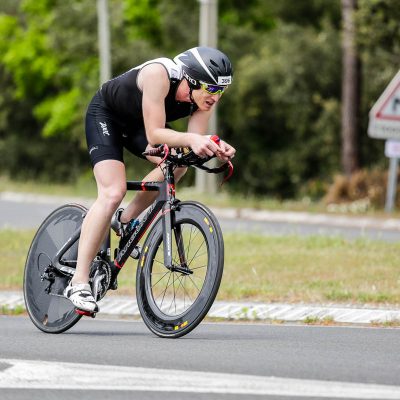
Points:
x=45, y=303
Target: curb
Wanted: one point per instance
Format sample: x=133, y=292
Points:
x=124, y=306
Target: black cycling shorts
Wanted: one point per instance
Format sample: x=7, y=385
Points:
x=106, y=137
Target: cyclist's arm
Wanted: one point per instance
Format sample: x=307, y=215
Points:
x=155, y=84
x=199, y=123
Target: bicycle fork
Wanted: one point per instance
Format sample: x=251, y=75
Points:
x=170, y=227
x=173, y=231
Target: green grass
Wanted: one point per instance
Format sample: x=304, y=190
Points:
x=83, y=187
x=18, y=310
x=270, y=269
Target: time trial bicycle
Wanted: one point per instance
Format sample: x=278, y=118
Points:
x=179, y=269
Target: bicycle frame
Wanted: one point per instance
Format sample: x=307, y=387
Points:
x=165, y=202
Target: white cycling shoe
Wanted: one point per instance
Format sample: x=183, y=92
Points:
x=81, y=297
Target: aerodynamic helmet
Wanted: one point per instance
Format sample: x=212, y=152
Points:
x=205, y=65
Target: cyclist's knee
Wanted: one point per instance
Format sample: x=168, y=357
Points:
x=112, y=197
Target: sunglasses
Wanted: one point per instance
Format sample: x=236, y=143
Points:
x=213, y=89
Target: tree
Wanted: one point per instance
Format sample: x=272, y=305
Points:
x=350, y=90
x=282, y=112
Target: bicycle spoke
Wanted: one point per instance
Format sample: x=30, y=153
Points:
x=159, y=279
x=201, y=245
x=165, y=291
x=174, y=298
x=194, y=268
x=179, y=291
x=185, y=292
x=194, y=283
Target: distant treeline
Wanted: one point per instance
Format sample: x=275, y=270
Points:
x=282, y=113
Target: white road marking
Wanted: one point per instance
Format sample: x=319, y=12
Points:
x=26, y=374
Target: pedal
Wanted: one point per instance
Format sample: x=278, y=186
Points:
x=85, y=313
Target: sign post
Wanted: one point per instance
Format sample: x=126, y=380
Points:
x=104, y=40
x=392, y=151
x=208, y=36
x=384, y=123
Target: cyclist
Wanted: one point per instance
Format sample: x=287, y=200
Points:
x=132, y=111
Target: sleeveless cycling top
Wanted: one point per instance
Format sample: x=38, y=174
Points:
x=124, y=98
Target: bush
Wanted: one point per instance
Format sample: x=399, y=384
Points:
x=366, y=187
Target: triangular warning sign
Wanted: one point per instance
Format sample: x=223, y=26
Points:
x=390, y=107
x=384, y=117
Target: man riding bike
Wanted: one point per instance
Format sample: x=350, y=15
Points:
x=132, y=111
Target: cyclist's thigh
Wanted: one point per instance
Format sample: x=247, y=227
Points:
x=110, y=178
x=103, y=133
x=135, y=140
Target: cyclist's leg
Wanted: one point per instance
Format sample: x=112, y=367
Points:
x=111, y=186
x=104, y=141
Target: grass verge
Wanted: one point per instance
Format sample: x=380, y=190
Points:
x=269, y=269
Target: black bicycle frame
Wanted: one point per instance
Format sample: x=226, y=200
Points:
x=165, y=202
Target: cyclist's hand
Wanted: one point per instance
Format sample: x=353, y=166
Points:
x=227, y=152
x=203, y=146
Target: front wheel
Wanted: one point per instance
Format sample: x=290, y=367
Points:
x=174, y=300
x=47, y=307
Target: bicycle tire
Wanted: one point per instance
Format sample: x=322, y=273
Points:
x=51, y=312
x=197, y=223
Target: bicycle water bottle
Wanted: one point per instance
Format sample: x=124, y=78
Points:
x=131, y=226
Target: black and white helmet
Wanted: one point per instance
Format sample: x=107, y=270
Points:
x=205, y=65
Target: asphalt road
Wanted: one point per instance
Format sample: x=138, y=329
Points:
x=302, y=359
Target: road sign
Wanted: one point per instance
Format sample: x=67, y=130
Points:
x=384, y=117
x=392, y=148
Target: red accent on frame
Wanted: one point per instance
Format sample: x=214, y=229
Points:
x=117, y=264
x=171, y=188
x=144, y=186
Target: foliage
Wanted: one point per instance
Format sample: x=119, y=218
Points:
x=287, y=100
x=282, y=113
x=366, y=188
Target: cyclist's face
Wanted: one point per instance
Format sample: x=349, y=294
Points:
x=205, y=100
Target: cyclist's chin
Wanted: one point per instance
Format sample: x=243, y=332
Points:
x=204, y=106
